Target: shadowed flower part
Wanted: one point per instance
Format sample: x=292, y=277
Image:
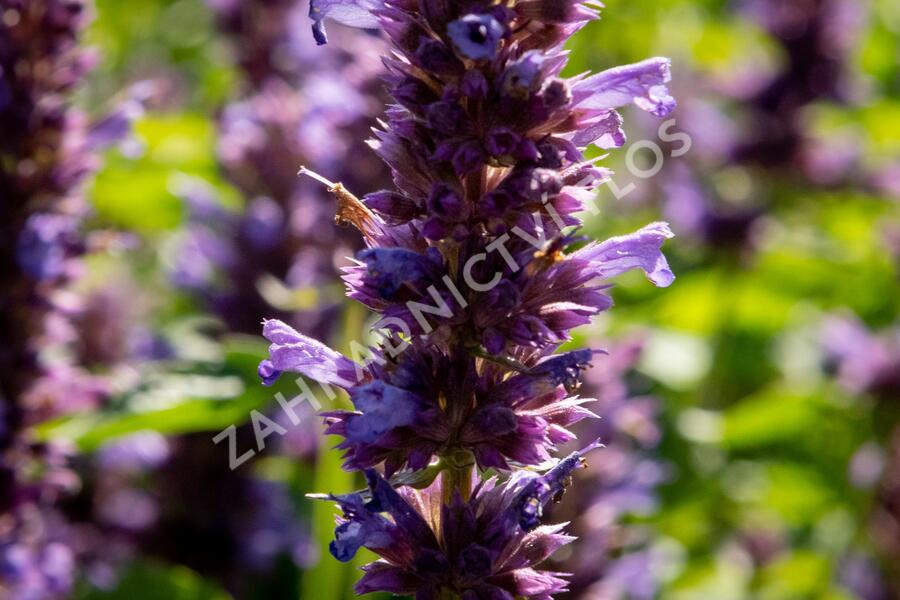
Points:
x=388, y=270
x=383, y=407
x=46, y=243
x=536, y=492
x=566, y=369
x=559, y=11
x=429, y=404
x=476, y=36
x=483, y=551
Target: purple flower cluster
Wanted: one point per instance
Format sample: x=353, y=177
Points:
x=485, y=546
x=474, y=266
x=864, y=362
x=44, y=157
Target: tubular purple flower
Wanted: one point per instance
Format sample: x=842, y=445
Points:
x=639, y=250
x=643, y=84
x=293, y=351
x=384, y=407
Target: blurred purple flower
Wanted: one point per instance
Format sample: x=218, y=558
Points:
x=864, y=362
x=46, y=155
x=612, y=559
x=300, y=108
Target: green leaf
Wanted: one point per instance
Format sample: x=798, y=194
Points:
x=771, y=416
x=150, y=581
x=90, y=430
x=799, y=575
x=138, y=194
x=136, y=197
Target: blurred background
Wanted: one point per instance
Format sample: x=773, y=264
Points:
x=751, y=411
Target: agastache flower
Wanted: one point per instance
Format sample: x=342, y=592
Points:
x=407, y=409
x=356, y=13
x=486, y=547
x=474, y=264
x=476, y=36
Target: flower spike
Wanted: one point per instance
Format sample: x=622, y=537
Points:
x=478, y=280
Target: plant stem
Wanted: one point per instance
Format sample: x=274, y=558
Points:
x=458, y=475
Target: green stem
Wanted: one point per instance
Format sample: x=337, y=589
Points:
x=458, y=475
x=505, y=361
x=447, y=594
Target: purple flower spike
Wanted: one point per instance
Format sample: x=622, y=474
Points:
x=471, y=269
x=48, y=154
